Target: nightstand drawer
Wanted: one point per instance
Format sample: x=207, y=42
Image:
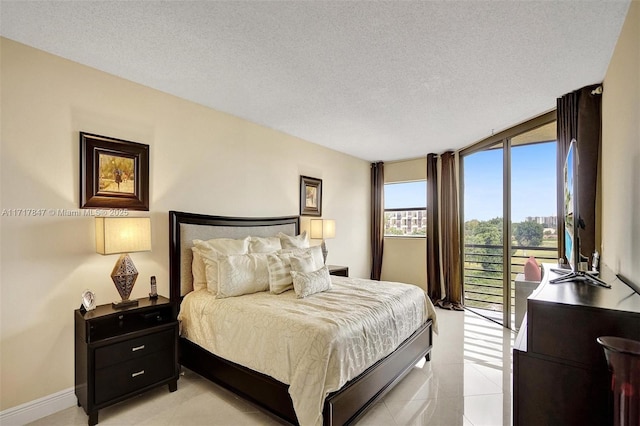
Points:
x=134, y=348
x=339, y=271
x=120, y=323
x=134, y=374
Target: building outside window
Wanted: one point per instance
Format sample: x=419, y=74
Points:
x=405, y=209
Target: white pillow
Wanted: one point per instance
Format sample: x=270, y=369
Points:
x=197, y=270
x=315, y=252
x=264, y=244
x=299, y=241
x=241, y=274
x=308, y=283
x=225, y=246
x=279, y=266
x=304, y=263
x=211, y=249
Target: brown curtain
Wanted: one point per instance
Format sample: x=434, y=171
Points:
x=377, y=219
x=579, y=116
x=434, y=288
x=445, y=259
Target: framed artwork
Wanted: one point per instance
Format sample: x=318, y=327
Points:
x=114, y=173
x=310, y=196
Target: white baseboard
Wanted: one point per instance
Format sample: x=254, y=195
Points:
x=39, y=408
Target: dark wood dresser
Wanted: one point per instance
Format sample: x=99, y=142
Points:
x=560, y=375
x=120, y=353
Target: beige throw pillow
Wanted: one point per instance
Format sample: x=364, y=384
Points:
x=264, y=244
x=211, y=249
x=240, y=274
x=299, y=241
x=308, y=283
x=279, y=272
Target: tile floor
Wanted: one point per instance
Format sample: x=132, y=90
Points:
x=466, y=383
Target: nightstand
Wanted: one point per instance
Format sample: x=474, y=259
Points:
x=120, y=353
x=340, y=271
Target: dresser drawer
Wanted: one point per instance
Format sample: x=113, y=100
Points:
x=134, y=348
x=125, y=377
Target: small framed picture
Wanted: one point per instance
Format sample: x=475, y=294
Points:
x=88, y=300
x=310, y=196
x=114, y=173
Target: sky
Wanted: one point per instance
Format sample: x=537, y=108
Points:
x=406, y=194
x=533, y=184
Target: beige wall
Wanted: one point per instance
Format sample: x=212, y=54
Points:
x=405, y=171
x=201, y=161
x=405, y=258
x=621, y=152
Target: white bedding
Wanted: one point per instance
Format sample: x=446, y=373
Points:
x=315, y=344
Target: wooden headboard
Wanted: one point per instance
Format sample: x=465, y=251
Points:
x=186, y=227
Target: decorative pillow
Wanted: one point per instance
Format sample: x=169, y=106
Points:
x=532, y=270
x=225, y=246
x=304, y=263
x=240, y=274
x=308, y=283
x=211, y=249
x=299, y=241
x=197, y=270
x=279, y=266
x=264, y=244
x=314, y=251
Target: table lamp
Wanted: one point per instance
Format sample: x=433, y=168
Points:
x=323, y=229
x=123, y=235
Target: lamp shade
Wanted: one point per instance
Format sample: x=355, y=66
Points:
x=123, y=234
x=322, y=229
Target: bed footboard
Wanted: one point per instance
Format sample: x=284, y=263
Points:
x=351, y=401
x=340, y=408
x=257, y=388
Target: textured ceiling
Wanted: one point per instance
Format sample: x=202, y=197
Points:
x=377, y=80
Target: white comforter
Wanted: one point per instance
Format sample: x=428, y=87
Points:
x=315, y=344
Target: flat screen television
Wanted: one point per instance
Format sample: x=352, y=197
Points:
x=571, y=217
x=573, y=222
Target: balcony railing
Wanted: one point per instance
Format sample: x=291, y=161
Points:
x=483, y=272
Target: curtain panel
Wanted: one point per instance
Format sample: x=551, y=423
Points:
x=434, y=288
x=377, y=219
x=444, y=273
x=579, y=116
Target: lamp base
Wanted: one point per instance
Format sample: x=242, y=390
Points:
x=124, y=277
x=124, y=304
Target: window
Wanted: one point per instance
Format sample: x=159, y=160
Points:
x=405, y=209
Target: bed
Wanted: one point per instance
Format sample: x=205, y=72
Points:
x=343, y=405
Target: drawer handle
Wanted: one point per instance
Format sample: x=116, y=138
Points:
x=139, y=373
x=137, y=348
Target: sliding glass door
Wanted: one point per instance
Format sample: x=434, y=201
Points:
x=509, y=211
x=483, y=230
